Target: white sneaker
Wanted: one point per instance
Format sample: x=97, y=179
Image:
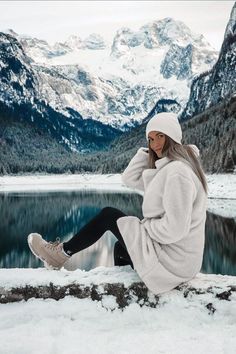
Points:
x=51, y=253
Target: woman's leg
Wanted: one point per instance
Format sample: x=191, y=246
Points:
x=94, y=229
x=121, y=256
x=55, y=254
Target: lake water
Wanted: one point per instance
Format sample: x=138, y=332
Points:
x=62, y=214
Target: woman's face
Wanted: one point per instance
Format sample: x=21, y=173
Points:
x=156, y=141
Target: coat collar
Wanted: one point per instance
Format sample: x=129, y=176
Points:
x=149, y=173
x=162, y=162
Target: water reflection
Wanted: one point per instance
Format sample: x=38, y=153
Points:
x=220, y=245
x=62, y=214
x=57, y=214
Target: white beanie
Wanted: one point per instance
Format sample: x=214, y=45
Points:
x=167, y=123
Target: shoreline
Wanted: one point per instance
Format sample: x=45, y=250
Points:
x=221, y=196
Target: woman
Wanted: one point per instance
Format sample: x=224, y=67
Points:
x=166, y=246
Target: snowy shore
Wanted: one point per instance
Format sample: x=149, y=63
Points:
x=221, y=196
x=182, y=322
x=20, y=277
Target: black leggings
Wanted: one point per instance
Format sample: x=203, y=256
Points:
x=93, y=231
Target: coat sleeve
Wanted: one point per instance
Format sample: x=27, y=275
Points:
x=132, y=175
x=178, y=198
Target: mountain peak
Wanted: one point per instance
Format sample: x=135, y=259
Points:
x=11, y=32
x=171, y=31
x=73, y=42
x=231, y=26
x=156, y=34
x=215, y=85
x=94, y=41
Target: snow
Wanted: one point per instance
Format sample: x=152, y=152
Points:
x=127, y=61
x=221, y=196
x=19, y=277
x=82, y=326
x=135, y=66
x=142, y=66
x=178, y=325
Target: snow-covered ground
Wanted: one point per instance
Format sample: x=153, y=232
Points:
x=221, y=197
x=177, y=326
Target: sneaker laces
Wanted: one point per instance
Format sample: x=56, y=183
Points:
x=54, y=244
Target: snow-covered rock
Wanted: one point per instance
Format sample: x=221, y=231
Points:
x=94, y=41
x=73, y=42
x=212, y=86
x=121, y=283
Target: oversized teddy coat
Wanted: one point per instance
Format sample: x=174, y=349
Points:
x=167, y=245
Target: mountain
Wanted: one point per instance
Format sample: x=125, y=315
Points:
x=54, y=108
x=119, y=83
x=111, y=102
x=94, y=41
x=37, y=48
x=212, y=131
x=218, y=83
x=22, y=98
x=209, y=120
x=170, y=43
x=24, y=148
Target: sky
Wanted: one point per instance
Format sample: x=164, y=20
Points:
x=56, y=20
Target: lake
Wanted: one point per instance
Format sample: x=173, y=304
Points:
x=62, y=214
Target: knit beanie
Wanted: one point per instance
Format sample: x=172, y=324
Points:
x=167, y=123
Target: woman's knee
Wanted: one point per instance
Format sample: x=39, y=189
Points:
x=110, y=211
x=106, y=210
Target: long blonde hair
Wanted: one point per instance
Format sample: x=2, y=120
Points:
x=178, y=152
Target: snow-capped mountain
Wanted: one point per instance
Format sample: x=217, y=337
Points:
x=86, y=91
x=119, y=83
x=112, y=102
x=17, y=75
x=40, y=50
x=94, y=41
x=172, y=37
x=22, y=98
x=212, y=86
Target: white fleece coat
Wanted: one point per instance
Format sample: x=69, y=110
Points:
x=167, y=245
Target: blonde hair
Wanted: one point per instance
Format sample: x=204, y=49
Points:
x=178, y=152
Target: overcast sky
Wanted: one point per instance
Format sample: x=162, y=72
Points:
x=56, y=20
